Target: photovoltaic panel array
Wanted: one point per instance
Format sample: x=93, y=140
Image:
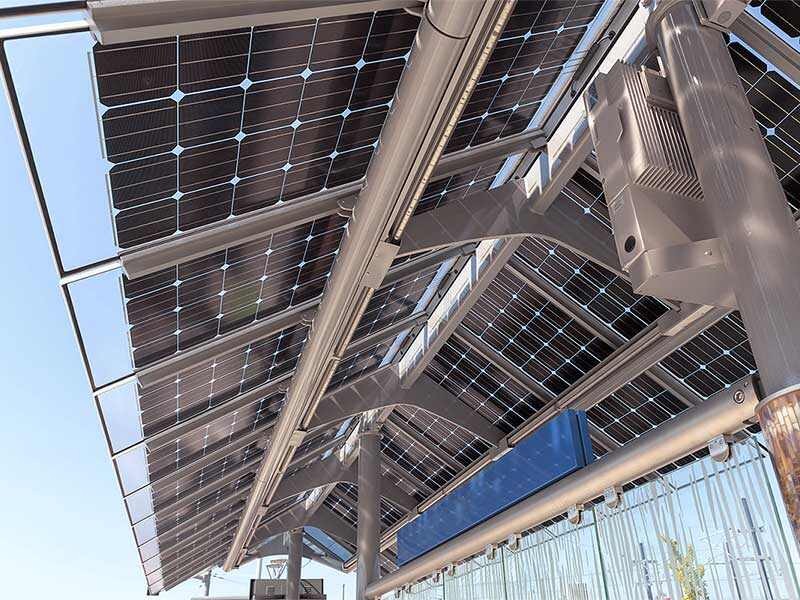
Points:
x=784, y=14
x=536, y=46
x=202, y=127
x=535, y=335
x=181, y=307
x=442, y=191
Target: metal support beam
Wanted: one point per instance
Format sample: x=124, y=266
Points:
x=748, y=210
x=369, y=511
x=277, y=547
x=777, y=52
x=118, y=21
x=294, y=563
x=332, y=470
x=507, y=212
x=724, y=413
x=387, y=334
x=383, y=389
x=328, y=521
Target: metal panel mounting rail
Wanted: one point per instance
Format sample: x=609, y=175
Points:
x=453, y=43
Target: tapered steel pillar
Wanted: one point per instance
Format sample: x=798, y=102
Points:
x=369, y=511
x=747, y=206
x=293, y=565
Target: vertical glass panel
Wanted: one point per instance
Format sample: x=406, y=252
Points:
x=478, y=579
x=120, y=408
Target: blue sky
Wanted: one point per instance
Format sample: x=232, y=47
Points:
x=64, y=523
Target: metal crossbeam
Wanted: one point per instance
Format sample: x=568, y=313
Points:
x=507, y=212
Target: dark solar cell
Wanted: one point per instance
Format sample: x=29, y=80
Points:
x=342, y=508
x=455, y=441
x=607, y=296
x=181, y=307
x=455, y=187
x=164, y=494
x=359, y=364
x=219, y=379
x=205, y=126
x=404, y=457
x=714, y=359
x=534, y=334
x=395, y=302
x=346, y=495
x=634, y=409
x=785, y=14
x=534, y=49
x=167, y=457
x=776, y=105
x=482, y=386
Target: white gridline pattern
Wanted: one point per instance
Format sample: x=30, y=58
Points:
x=241, y=135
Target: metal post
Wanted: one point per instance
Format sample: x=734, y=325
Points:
x=747, y=207
x=369, y=511
x=293, y=565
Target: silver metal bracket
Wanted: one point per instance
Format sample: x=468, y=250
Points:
x=719, y=448
x=719, y=14
x=514, y=542
x=491, y=552
x=575, y=514
x=381, y=260
x=613, y=496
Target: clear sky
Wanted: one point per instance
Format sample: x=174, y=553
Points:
x=64, y=528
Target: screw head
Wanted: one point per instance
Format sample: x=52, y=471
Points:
x=738, y=396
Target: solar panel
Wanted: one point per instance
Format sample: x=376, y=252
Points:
x=482, y=386
x=216, y=380
x=413, y=460
x=359, y=364
x=202, y=127
x=534, y=334
x=536, y=45
x=456, y=442
x=443, y=191
x=181, y=307
x=785, y=14
x=775, y=101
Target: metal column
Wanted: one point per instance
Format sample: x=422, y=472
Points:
x=293, y=565
x=747, y=207
x=369, y=511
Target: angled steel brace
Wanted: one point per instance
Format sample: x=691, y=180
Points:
x=332, y=470
x=507, y=212
x=328, y=521
x=383, y=389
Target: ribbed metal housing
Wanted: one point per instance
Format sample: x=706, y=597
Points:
x=658, y=156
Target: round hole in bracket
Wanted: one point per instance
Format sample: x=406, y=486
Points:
x=630, y=243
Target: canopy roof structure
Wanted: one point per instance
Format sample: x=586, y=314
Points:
x=298, y=259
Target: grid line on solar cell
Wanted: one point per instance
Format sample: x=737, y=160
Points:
x=443, y=191
x=607, y=296
x=776, y=104
x=785, y=14
x=164, y=495
x=170, y=456
x=217, y=380
x=181, y=307
x=536, y=46
x=399, y=454
x=202, y=127
x=482, y=386
x=345, y=498
x=455, y=441
x=359, y=364
x=534, y=334
x=715, y=359
x=634, y=409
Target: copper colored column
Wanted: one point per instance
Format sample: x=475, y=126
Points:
x=780, y=419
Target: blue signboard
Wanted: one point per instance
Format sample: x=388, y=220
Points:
x=558, y=448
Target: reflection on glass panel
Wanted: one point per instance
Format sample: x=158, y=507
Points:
x=715, y=522
x=479, y=579
x=559, y=561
